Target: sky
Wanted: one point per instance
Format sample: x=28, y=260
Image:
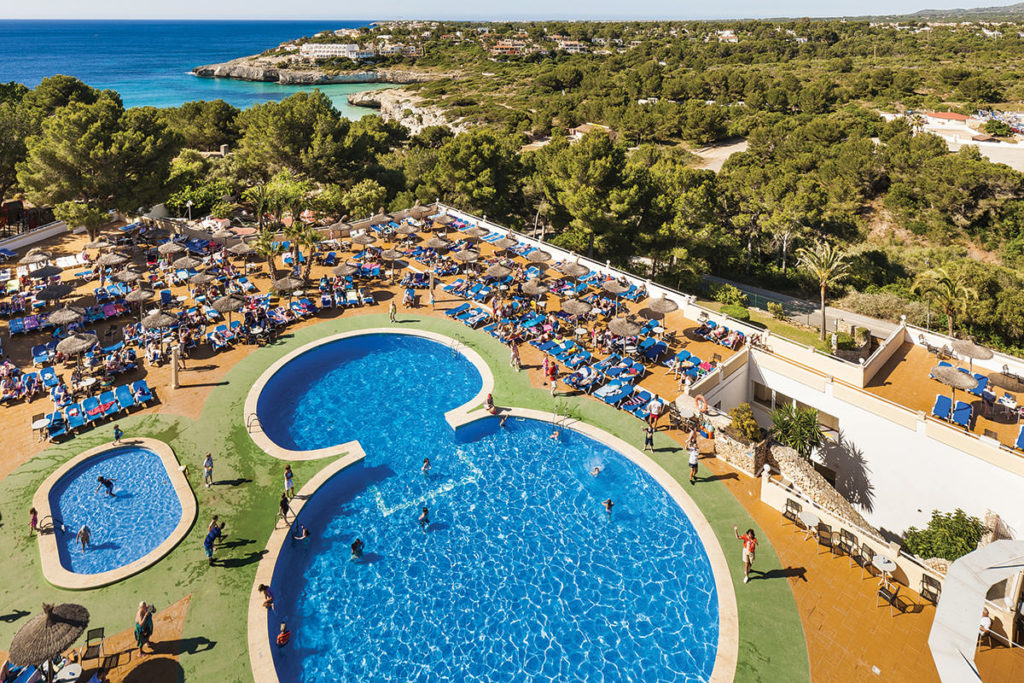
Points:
x=465, y=9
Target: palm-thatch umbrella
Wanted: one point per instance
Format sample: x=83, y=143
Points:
x=168, y=248
x=287, y=284
x=444, y=220
x=47, y=635
x=32, y=258
x=240, y=249
x=54, y=292
x=476, y=232
x=67, y=315
x=535, y=288
x=391, y=255
x=202, y=279
x=967, y=348
x=381, y=217
x=466, y=255
x=126, y=275
x=623, y=328
x=497, y=271
x=158, y=320
x=419, y=212
x=576, y=307
x=186, y=262
x=77, y=344
x=45, y=272
x=365, y=240
x=228, y=304
x=138, y=296
x=110, y=259
x=407, y=229
x=345, y=269
x=437, y=243
x=574, y=270
x=615, y=287
x=224, y=234
x=953, y=378
x=659, y=308
x=97, y=244
x=538, y=256
x=505, y=243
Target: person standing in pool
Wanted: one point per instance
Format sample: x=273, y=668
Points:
x=424, y=518
x=357, y=548
x=117, y=434
x=108, y=483
x=289, y=482
x=608, y=504
x=208, y=469
x=426, y=467
x=84, y=537
x=301, y=534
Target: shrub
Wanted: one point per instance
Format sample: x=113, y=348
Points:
x=887, y=306
x=949, y=535
x=777, y=310
x=737, y=312
x=744, y=424
x=998, y=128
x=845, y=341
x=727, y=294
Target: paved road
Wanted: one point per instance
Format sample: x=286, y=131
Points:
x=808, y=312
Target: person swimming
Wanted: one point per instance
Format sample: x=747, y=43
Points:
x=426, y=467
x=84, y=537
x=357, y=548
x=424, y=519
x=108, y=483
x=596, y=471
x=302, y=533
x=608, y=504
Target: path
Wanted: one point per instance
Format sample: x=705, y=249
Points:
x=808, y=312
x=714, y=156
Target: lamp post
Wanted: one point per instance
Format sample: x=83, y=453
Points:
x=189, y=205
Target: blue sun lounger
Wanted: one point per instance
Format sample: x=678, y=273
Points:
x=108, y=403
x=74, y=416
x=458, y=310
x=616, y=391
x=1020, y=438
x=962, y=414
x=943, y=406
x=124, y=397
x=57, y=426
x=142, y=393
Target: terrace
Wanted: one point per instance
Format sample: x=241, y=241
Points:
x=840, y=619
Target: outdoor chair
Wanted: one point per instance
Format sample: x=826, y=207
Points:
x=847, y=544
x=93, y=648
x=864, y=559
x=825, y=536
x=931, y=589
x=793, y=509
x=891, y=596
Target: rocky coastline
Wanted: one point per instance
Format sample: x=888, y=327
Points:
x=396, y=104
x=250, y=69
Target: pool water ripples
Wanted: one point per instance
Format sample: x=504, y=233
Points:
x=521, y=574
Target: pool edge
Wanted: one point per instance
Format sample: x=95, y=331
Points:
x=54, y=571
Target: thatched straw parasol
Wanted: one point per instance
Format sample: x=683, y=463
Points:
x=76, y=344
x=126, y=275
x=406, y=229
x=364, y=239
x=419, y=212
x=574, y=270
x=623, y=328
x=30, y=258
x=538, y=256
x=1005, y=381
x=505, y=243
x=54, y=292
x=497, y=271
x=381, y=217
x=47, y=635
x=345, y=269
x=67, y=316
x=228, y=304
x=966, y=348
x=576, y=307
x=466, y=255
x=45, y=272
x=953, y=378
x=158, y=320
x=391, y=254
x=97, y=244
x=240, y=249
x=662, y=305
x=477, y=232
x=139, y=296
x=168, y=248
x=110, y=259
x=287, y=284
x=614, y=287
x=536, y=288
x=202, y=279
x=437, y=243
x=186, y=262
x=224, y=234
x=444, y=220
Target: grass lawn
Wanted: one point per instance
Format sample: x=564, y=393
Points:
x=797, y=333
x=213, y=643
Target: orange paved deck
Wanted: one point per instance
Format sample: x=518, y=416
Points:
x=846, y=633
x=904, y=380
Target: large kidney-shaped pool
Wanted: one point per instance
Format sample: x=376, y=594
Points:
x=143, y=512
x=520, y=574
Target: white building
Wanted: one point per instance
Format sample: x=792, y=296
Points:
x=333, y=50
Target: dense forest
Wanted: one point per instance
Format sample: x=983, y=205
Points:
x=925, y=232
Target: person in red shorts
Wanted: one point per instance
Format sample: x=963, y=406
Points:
x=749, y=547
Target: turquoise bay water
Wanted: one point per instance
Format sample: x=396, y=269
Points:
x=143, y=512
x=520, y=575
x=148, y=62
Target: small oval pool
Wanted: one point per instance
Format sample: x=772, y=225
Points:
x=142, y=513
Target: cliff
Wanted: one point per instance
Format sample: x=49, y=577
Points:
x=406, y=108
x=257, y=69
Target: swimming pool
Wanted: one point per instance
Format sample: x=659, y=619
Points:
x=143, y=513
x=520, y=575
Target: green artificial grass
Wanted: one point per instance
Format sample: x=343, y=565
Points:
x=214, y=635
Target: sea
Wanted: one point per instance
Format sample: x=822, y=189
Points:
x=148, y=62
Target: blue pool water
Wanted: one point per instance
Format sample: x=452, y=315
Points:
x=143, y=513
x=521, y=575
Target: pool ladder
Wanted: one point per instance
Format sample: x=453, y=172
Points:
x=458, y=341
x=252, y=423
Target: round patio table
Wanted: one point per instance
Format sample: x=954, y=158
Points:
x=884, y=565
x=40, y=425
x=810, y=520
x=71, y=672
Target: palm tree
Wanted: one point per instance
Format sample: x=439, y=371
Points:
x=269, y=248
x=827, y=264
x=309, y=239
x=259, y=196
x=949, y=291
x=797, y=428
